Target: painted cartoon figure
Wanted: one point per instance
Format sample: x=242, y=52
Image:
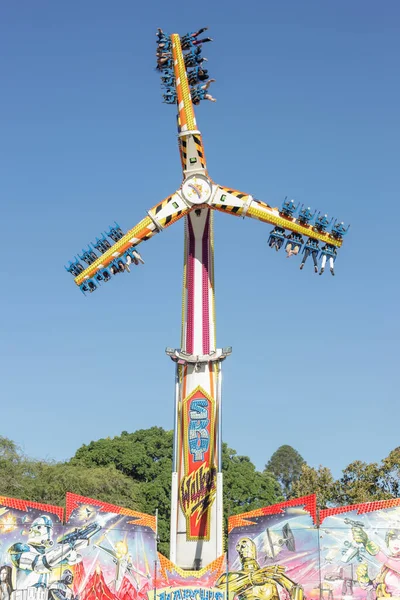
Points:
x=254, y=582
x=6, y=587
x=60, y=590
x=387, y=582
x=36, y=558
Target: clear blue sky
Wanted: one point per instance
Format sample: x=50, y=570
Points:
x=308, y=106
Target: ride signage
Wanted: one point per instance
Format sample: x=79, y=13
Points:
x=198, y=484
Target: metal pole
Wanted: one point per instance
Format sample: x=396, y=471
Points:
x=176, y=413
x=227, y=572
x=219, y=404
x=155, y=562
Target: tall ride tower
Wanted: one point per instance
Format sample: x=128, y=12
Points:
x=197, y=511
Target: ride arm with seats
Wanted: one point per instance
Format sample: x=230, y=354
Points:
x=190, y=141
x=162, y=215
x=240, y=204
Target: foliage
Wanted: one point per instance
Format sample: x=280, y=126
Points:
x=363, y=482
x=316, y=481
x=48, y=482
x=360, y=482
x=134, y=470
x=245, y=488
x=285, y=464
x=11, y=469
x=146, y=456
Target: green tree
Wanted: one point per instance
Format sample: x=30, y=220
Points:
x=146, y=456
x=48, y=482
x=316, y=481
x=365, y=482
x=285, y=464
x=12, y=465
x=245, y=488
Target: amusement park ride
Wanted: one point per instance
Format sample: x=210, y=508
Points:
x=197, y=515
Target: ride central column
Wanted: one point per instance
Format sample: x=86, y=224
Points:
x=196, y=499
x=197, y=511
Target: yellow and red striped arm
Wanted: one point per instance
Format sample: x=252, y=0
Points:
x=187, y=119
x=240, y=204
x=162, y=215
x=186, y=115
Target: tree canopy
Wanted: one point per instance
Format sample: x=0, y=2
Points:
x=134, y=470
x=48, y=482
x=146, y=456
x=316, y=481
x=360, y=482
x=285, y=464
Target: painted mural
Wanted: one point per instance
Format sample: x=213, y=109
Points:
x=360, y=551
x=288, y=552
x=100, y=552
x=273, y=553
x=96, y=551
x=174, y=583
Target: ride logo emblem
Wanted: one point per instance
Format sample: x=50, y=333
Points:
x=198, y=483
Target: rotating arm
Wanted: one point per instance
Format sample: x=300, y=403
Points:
x=162, y=215
x=241, y=204
x=190, y=142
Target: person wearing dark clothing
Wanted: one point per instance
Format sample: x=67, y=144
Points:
x=311, y=247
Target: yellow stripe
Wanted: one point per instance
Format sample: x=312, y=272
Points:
x=274, y=220
x=188, y=106
x=108, y=255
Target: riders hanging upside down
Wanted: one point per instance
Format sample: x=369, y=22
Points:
x=199, y=93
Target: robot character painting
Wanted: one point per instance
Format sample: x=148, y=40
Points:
x=254, y=582
x=273, y=553
x=36, y=558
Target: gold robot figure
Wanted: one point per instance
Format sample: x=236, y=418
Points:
x=254, y=582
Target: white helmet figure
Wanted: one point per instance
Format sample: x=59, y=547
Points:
x=41, y=532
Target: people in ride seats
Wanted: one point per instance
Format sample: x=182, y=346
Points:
x=199, y=93
x=197, y=74
x=328, y=252
x=193, y=42
x=170, y=96
x=295, y=242
x=161, y=37
x=193, y=58
x=276, y=238
x=311, y=247
x=134, y=257
x=193, y=35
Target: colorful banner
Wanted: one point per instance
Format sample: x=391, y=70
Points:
x=198, y=484
x=274, y=552
x=105, y=552
x=98, y=552
x=174, y=583
x=360, y=551
x=279, y=552
x=102, y=552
